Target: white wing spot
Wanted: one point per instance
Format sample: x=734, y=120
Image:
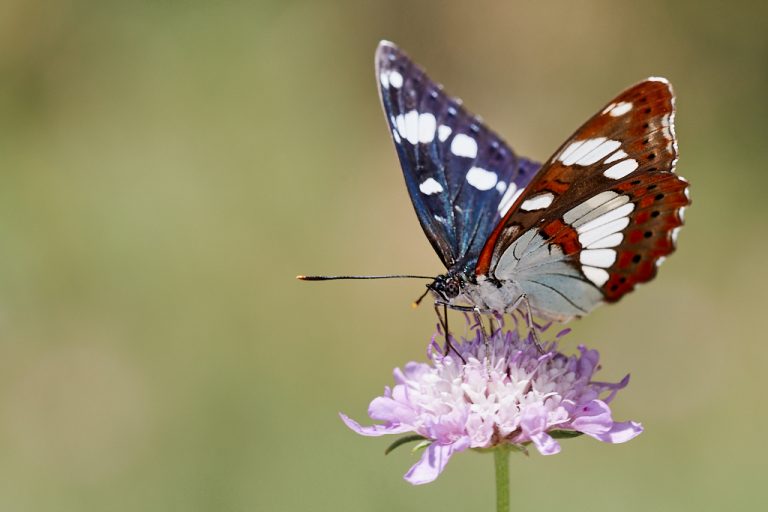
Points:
x=600, y=152
x=501, y=187
x=606, y=109
x=621, y=169
x=616, y=156
x=384, y=79
x=538, y=202
x=675, y=234
x=411, y=127
x=618, y=213
x=464, y=145
x=396, y=136
x=603, y=258
x=443, y=132
x=430, y=186
x=415, y=127
x=400, y=123
x=427, y=125
x=570, y=149
x=661, y=260
x=509, y=198
x=481, y=179
x=600, y=234
x=587, y=206
x=581, y=151
x=596, y=275
x=621, y=109
x=606, y=242
x=395, y=79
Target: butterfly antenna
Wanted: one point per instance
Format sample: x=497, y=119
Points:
x=416, y=303
x=334, y=278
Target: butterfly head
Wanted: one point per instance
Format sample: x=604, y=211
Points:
x=447, y=286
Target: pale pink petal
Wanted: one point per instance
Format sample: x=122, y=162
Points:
x=593, y=418
x=374, y=430
x=615, y=388
x=387, y=409
x=588, y=361
x=433, y=461
x=534, y=420
x=480, y=431
x=620, y=433
x=545, y=444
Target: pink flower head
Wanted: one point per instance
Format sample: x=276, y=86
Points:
x=513, y=395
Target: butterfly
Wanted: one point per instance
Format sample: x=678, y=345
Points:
x=560, y=238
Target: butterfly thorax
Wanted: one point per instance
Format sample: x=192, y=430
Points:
x=462, y=290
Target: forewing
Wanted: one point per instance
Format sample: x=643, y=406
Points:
x=461, y=176
x=601, y=214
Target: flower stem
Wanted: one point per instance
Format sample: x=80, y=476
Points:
x=501, y=462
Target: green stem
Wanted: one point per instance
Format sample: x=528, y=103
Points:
x=501, y=462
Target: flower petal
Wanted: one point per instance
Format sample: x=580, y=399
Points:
x=390, y=410
x=589, y=360
x=593, y=418
x=533, y=419
x=374, y=430
x=545, y=444
x=620, y=432
x=615, y=388
x=433, y=461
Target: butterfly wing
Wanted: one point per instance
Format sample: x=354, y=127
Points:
x=460, y=175
x=601, y=214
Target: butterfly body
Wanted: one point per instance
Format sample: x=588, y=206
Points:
x=562, y=237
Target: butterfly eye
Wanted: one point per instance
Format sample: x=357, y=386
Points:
x=452, y=288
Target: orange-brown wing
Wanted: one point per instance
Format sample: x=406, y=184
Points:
x=603, y=210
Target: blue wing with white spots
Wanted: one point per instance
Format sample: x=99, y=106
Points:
x=462, y=178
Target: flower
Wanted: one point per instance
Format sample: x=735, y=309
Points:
x=518, y=394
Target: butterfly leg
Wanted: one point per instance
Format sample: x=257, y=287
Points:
x=486, y=341
x=465, y=309
x=443, y=319
x=528, y=317
x=531, y=324
x=479, y=322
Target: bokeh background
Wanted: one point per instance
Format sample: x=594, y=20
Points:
x=167, y=168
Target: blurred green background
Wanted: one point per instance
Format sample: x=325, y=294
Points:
x=166, y=168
